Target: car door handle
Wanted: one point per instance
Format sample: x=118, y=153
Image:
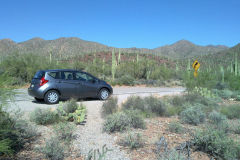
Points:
x=59, y=81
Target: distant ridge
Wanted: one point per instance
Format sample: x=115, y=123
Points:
x=184, y=48
x=75, y=46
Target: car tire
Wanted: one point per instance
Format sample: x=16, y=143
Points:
x=104, y=94
x=51, y=97
x=38, y=99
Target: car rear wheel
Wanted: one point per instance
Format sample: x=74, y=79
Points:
x=51, y=97
x=104, y=94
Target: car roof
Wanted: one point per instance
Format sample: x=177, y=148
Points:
x=59, y=70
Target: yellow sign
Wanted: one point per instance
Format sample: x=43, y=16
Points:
x=196, y=65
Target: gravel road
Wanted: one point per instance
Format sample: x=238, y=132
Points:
x=90, y=135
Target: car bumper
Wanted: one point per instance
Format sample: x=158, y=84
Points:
x=35, y=93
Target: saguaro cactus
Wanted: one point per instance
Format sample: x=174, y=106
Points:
x=119, y=56
x=231, y=69
x=188, y=68
x=103, y=66
x=113, y=64
x=236, y=65
x=50, y=57
x=177, y=66
x=222, y=73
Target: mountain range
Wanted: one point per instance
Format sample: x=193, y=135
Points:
x=68, y=47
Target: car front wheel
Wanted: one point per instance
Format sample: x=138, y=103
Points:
x=51, y=97
x=104, y=94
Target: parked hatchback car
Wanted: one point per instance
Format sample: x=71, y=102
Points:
x=53, y=85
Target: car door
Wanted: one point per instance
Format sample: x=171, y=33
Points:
x=88, y=86
x=67, y=85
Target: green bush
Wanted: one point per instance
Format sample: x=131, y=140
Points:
x=216, y=117
x=171, y=155
x=178, y=100
x=117, y=122
x=232, y=111
x=126, y=80
x=193, y=115
x=136, y=120
x=226, y=94
x=53, y=149
x=44, y=116
x=134, y=102
x=70, y=106
x=216, y=143
x=65, y=131
x=155, y=105
x=132, y=140
x=235, y=126
x=121, y=121
x=148, y=105
x=15, y=131
x=110, y=106
x=175, y=127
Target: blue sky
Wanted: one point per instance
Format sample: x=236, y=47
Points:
x=123, y=23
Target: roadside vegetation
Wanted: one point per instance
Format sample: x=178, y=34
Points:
x=16, y=130
x=214, y=124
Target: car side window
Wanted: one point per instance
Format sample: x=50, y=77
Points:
x=55, y=75
x=83, y=76
x=67, y=75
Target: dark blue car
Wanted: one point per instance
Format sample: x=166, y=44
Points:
x=53, y=85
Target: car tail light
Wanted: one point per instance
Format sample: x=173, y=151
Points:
x=43, y=81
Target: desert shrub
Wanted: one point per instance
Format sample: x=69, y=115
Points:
x=65, y=131
x=238, y=98
x=132, y=140
x=175, y=127
x=5, y=147
x=10, y=141
x=148, y=105
x=136, y=120
x=232, y=111
x=194, y=98
x=78, y=116
x=121, y=121
x=134, y=102
x=226, y=94
x=216, y=143
x=193, y=115
x=44, y=116
x=70, y=106
x=53, y=149
x=15, y=131
x=221, y=86
x=178, y=100
x=173, y=110
x=110, y=106
x=235, y=126
x=126, y=80
x=155, y=105
x=116, y=122
x=216, y=117
x=171, y=155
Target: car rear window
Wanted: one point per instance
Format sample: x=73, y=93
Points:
x=55, y=75
x=39, y=74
